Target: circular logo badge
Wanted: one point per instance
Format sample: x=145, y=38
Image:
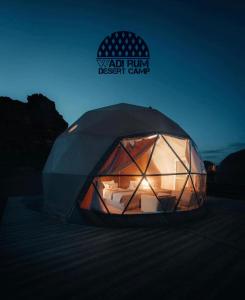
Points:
x=123, y=52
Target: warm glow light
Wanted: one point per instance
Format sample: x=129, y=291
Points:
x=145, y=184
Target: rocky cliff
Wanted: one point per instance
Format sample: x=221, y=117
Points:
x=27, y=132
x=231, y=169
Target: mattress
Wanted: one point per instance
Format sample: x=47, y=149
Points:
x=119, y=197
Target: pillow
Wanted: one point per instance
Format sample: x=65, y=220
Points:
x=107, y=182
x=133, y=184
x=113, y=185
x=110, y=184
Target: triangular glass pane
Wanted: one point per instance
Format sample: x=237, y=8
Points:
x=188, y=198
x=140, y=149
x=168, y=189
x=119, y=163
x=115, y=191
x=197, y=165
x=97, y=202
x=87, y=200
x=199, y=182
x=143, y=201
x=164, y=161
x=181, y=147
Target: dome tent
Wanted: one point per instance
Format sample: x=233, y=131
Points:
x=123, y=160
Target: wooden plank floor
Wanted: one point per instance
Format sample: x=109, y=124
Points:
x=41, y=258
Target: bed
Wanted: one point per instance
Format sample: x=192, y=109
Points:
x=119, y=197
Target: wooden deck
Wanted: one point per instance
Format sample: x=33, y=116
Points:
x=41, y=258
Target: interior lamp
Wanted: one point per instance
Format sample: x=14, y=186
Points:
x=145, y=184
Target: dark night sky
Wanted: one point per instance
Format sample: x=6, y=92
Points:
x=197, y=61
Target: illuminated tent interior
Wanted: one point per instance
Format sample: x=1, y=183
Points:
x=157, y=173
x=123, y=160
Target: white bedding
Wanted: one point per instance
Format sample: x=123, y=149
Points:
x=114, y=196
x=117, y=196
x=107, y=194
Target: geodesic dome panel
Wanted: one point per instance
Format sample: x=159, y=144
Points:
x=148, y=174
x=123, y=159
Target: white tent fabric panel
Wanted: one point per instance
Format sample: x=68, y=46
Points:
x=79, y=156
x=61, y=192
x=125, y=119
x=57, y=153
